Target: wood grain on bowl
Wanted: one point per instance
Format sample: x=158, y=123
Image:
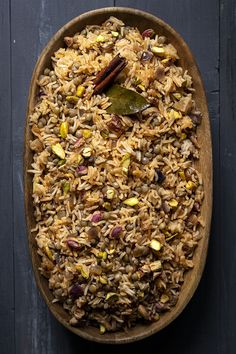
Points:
x=143, y=21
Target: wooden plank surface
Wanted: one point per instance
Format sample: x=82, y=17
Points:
x=6, y=203
x=227, y=188
x=208, y=324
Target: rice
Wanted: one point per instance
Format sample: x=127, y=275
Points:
x=117, y=212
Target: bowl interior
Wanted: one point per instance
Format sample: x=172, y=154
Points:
x=143, y=21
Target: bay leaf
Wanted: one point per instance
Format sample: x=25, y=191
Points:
x=124, y=101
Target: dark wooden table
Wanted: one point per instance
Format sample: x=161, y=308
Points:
x=208, y=325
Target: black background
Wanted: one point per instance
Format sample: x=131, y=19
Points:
x=208, y=324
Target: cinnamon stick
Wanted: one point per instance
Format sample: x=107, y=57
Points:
x=110, y=78
x=108, y=69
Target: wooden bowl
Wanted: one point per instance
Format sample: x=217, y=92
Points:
x=141, y=20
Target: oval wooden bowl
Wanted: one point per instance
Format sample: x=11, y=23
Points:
x=141, y=20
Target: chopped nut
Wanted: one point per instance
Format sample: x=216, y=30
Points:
x=143, y=312
x=131, y=201
x=66, y=187
x=173, y=203
x=80, y=91
x=64, y=128
x=87, y=152
x=126, y=162
x=103, y=280
x=100, y=38
x=102, y=329
x=110, y=193
x=86, y=133
x=102, y=255
x=182, y=175
x=160, y=51
x=72, y=99
x=183, y=136
x=155, y=245
x=155, y=265
x=184, y=104
x=115, y=34
x=164, y=298
x=79, y=158
x=84, y=270
x=112, y=296
x=48, y=252
x=177, y=95
x=190, y=185
x=174, y=114
x=58, y=150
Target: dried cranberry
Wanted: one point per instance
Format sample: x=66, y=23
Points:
x=82, y=170
x=115, y=125
x=76, y=291
x=73, y=244
x=96, y=217
x=116, y=231
x=148, y=33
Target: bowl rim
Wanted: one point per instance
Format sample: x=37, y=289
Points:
x=177, y=310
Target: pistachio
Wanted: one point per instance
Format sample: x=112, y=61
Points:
x=183, y=136
x=112, y=296
x=87, y=152
x=66, y=187
x=143, y=312
x=115, y=34
x=182, y=175
x=103, y=280
x=80, y=91
x=84, y=270
x=72, y=99
x=102, y=329
x=86, y=133
x=110, y=193
x=164, y=298
x=155, y=245
x=190, y=185
x=126, y=162
x=160, y=51
x=155, y=266
x=102, y=255
x=58, y=150
x=177, y=95
x=64, y=127
x=48, y=252
x=131, y=201
x=100, y=38
x=173, y=203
